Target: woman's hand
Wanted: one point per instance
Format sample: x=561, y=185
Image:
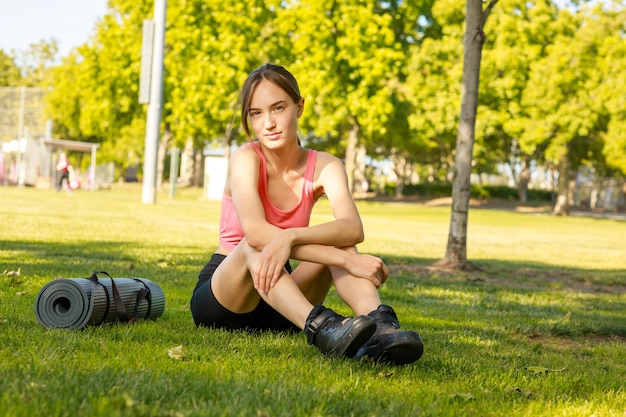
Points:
x=271, y=262
x=367, y=267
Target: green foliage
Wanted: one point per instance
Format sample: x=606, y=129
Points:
x=10, y=73
x=27, y=68
x=567, y=112
x=213, y=45
x=428, y=189
x=434, y=76
x=390, y=71
x=95, y=89
x=540, y=331
x=612, y=50
x=481, y=192
x=349, y=59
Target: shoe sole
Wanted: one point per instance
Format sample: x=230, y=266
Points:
x=402, y=349
x=362, y=329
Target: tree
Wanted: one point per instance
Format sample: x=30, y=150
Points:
x=349, y=60
x=22, y=107
x=569, y=117
x=10, y=73
x=473, y=40
x=95, y=94
x=36, y=61
x=378, y=77
x=611, y=63
x=521, y=32
x=435, y=70
x=212, y=46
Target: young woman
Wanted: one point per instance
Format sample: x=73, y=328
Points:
x=271, y=187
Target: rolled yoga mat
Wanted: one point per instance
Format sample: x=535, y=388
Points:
x=74, y=303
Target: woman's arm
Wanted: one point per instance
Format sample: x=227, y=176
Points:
x=242, y=184
x=331, y=179
x=321, y=243
x=346, y=229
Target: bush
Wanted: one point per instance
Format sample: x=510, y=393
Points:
x=429, y=189
x=502, y=192
x=479, y=192
x=482, y=192
x=539, y=195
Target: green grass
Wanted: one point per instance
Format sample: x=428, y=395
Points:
x=540, y=330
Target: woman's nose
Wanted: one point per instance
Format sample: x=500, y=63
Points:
x=269, y=122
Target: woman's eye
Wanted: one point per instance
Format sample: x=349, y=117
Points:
x=254, y=113
x=279, y=108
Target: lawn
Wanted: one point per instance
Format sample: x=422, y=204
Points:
x=538, y=330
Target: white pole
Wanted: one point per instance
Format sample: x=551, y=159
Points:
x=20, y=136
x=173, y=171
x=153, y=119
x=92, y=174
x=20, y=120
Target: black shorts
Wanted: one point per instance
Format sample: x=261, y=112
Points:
x=208, y=312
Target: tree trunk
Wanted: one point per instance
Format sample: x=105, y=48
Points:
x=187, y=163
x=161, y=154
x=351, y=147
x=198, y=168
x=399, y=169
x=561, y=206
x=524, y=179
x=360, y=181
x=473, y=40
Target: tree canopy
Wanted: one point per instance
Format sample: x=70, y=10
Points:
x=378, y=77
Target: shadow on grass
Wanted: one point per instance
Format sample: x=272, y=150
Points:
x=505, y=298
x=26, y=266
x=502, y=298
x=75, y=259
x=530, y=275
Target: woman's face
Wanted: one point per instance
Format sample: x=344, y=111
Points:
x=273, y=115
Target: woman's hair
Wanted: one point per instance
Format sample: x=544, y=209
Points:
x=270, y=72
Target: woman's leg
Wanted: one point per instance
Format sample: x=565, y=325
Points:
x=314, y=280
x=232, y=284
x=389, y=343
x=234, y=289
x=360, y=294
x=332, y=333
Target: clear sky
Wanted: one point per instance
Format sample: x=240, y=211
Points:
x=69, y=22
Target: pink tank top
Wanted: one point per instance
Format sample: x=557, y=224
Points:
x=231, y=231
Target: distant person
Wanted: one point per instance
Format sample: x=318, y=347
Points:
x=270, y=190
x=64, y=168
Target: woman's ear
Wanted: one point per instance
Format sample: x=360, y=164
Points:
x=300, y=106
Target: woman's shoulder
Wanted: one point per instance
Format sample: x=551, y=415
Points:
x=246, y=147
x=327, y=166
x=327, y=161
x=245, y=151
x=325, y=157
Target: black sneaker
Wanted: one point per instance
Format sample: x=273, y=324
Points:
x=336, y=335
x=389, y=344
